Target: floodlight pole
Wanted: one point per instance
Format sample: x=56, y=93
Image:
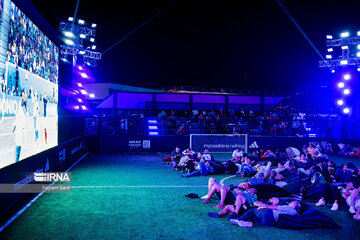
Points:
x=346, y=59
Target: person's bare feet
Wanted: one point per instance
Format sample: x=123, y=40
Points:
x=241, y=223
x=245, y=224
x=206, y=201
x=235, y=221
x=219, y=206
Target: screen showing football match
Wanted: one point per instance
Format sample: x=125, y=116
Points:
x=29, y=87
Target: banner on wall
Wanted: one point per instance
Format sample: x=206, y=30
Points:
x=21, y=175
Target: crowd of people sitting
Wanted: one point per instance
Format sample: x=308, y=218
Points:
x=339, y=148
x=348, y=150
x=304, y=175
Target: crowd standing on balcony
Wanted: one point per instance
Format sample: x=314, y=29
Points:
x=273, y=123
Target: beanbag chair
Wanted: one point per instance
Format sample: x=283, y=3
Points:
x=266, y=191
x=308, y=218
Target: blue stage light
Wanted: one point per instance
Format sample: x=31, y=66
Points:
x=153, y=133
x=150, y=121
x=69, y=42
x=341, y=85
x=340, y=102
x=346, y=110
x=343, y=62
x=330, y=49
x=344, y=34
x=92, y=95
x=328, y=57
x=347, y=77
x=69, y=34
x=153, y=128
x=329, y=37
x=346, y=91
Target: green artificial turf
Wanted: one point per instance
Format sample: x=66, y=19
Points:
x=148, y=212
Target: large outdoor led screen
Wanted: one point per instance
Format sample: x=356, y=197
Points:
x=28, y=87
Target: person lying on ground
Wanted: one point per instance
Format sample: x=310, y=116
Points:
x=215, y=188
x=266, y=214
x=246, y=168
x=268, y=156
x=227, y=196
x=349, y=194
x=204, y=168
x=343, y=174
x=239, y=205
x=357, y=214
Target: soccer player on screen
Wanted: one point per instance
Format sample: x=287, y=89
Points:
x=45, y=101
x=19, y=127
x=36, y=111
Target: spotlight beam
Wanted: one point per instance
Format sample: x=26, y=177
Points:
x=139, y=26
x=76, y=10
x=299, y=28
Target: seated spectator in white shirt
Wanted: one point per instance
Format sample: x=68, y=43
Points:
x=237, y=154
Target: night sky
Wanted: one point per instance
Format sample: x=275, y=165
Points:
x=249, y=44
